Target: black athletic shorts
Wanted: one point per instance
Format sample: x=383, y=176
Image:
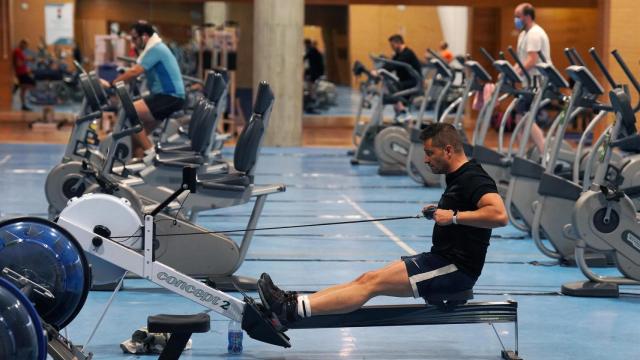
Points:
x=430, y=274
x=524, y=104
x=26, y=79
x=162, y=105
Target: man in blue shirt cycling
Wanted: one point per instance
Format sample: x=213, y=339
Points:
x=164, y=82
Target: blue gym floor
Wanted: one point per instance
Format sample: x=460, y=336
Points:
x=322, y=187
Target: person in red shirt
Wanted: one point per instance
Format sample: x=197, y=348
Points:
x=445, y=53
x=23, y=73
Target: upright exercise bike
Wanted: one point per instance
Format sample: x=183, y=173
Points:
x=605, y=219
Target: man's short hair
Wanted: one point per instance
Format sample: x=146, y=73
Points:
x=444, y=45
x=307, y=42
x=441, y=135
x=396, y=38
x=143, y=27
x=528, y=10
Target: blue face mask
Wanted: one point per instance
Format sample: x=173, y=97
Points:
x=518, y=23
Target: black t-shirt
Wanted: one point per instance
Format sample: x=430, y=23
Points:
x=316, y=64
x=465, y=246
x=406, y=56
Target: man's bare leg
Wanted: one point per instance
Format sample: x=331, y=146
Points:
x=392, y=280
x=23, y=92
x=140, y=141
x=536, y=135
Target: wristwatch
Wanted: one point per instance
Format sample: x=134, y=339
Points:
x=455, y=220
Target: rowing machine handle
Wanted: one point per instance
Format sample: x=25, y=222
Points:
x=429, y=211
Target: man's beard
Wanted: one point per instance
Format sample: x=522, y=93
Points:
x=438, y=170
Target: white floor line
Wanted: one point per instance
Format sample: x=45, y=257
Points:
x=29, y=171
x=5, y=159
x=380, y=227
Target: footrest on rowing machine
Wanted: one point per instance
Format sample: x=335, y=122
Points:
x=449, y=299
x=257, y=322
x=180, y=327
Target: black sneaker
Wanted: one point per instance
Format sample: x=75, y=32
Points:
x=26, y=108
x=267, y=279
x=282, y=304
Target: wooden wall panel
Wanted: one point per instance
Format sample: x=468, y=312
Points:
x=29, y=23
x=173, y=19
x=371, y=25
x=6, y=46
x=242, y=13
x=622, y=35
x=475, y=3
x=130, y=11
x=86, y=31
x=484, y=30
x=23, y=23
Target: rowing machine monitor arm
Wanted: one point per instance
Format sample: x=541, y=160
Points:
x=189, y=182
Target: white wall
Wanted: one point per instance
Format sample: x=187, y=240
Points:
x=453, y=20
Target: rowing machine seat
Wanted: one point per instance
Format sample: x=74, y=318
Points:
x=196, y=323
x=180, y=327
x=449, y=299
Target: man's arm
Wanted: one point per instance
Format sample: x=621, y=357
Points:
x=491, y=214
x=135, y=71
x=531, y=60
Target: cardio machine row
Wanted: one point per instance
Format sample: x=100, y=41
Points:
x=221, y=183
x=396, y=146
x=546, y=190
x=580, y=205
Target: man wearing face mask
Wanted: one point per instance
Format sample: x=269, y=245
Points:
x=164, y=81
x=402, y=53
x=531, y=40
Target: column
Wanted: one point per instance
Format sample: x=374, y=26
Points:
x=215, y=12
x=277, y=59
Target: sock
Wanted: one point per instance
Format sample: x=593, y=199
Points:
x=304, y=306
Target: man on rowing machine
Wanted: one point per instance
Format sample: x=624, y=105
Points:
x=467, y=211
